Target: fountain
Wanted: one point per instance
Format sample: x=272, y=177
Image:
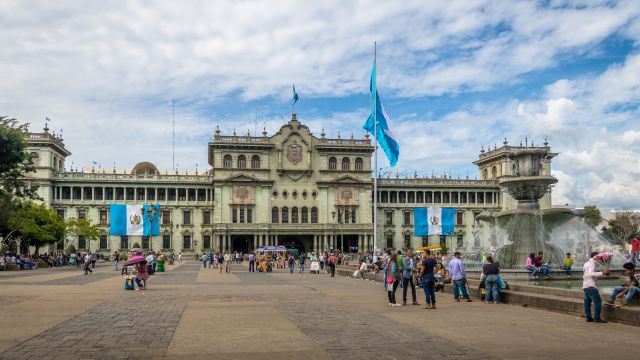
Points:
x=524, y=226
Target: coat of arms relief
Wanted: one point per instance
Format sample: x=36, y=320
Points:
x=294, y=153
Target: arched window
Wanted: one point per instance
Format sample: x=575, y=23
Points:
x=60, y=166
x=304, y=215
x=294, y=215
x=226, y=161
x=314, y=215
x=274, y=215
x=359, y=164
x=494, y=172
x=242, y=162
x=485, y=174
x=346, y=164
x=333, y=163
x=255, y=162
x=285, y=215
x=35, y=158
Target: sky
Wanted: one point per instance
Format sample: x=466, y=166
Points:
x=454, y=76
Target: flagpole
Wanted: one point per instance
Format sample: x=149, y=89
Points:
x=375, y=151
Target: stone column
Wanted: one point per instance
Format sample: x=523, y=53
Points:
x=360, y=243
x=324, y=242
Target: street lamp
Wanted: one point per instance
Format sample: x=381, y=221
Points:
x=341, y=222
x=152, y=212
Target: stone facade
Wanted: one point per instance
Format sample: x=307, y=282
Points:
x=292, y=188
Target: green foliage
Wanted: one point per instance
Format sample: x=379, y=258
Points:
x=76, y=227
x=70, y=250
x=4, y=248
x=623, y=227
x=444, y=249
x=592, y=215
x=123, y=257
x=37, y=225
x=136, y=245
x=15, y=162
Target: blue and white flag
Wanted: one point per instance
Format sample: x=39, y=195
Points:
x=384, y=135
x=433, y=221
x=133, y=220
x=294, y=100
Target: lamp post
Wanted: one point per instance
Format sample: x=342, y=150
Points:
x=341, y=222
x=151, y=216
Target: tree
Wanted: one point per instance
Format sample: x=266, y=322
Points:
x=592, y=215
x=15, y=162
x=37, y=225
x=623, y=227
x=83, y=227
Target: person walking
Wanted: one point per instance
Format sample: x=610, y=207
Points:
x=458, y=277
x=392, y=279
x=332, y=262
x=220, y=262
x=301, y=260
x=590, y=289
x=252, y=262
x=180, y=257
x=291, y=262
x=428, y=279
x=87, y=264
x=204, y=259
x=491, y=272
x=116, y=258
x=408, y=268
x=227, y=262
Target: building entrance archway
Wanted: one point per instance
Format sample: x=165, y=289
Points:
x=240, y=243
x=299, y=242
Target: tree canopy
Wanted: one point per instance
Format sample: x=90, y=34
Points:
x=623, y=227
x=83, y=227
x=37, y=225
x=15, y=162
x=592, y=215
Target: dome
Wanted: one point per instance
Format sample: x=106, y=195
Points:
x=144, y=168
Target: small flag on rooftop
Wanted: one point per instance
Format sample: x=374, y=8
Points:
x=295, y=95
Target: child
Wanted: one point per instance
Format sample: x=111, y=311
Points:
x=629, y=290
x=567, y=263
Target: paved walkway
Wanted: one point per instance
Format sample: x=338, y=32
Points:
x=199, y=313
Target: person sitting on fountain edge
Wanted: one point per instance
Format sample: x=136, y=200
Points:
x=543, y=266
x=567, y=263
x=629, y=290
x=535, y=271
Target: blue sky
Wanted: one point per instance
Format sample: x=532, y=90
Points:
x=453, y=75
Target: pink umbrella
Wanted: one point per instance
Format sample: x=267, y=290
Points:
x=135, y=259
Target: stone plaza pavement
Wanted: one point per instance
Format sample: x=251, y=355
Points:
x=190, y=312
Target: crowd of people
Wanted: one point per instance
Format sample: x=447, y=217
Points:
x=73, y=261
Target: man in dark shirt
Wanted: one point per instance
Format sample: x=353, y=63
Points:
x=428, y=280
x=542, y=265
x=628, y=291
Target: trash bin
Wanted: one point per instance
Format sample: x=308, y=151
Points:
x=160, y=265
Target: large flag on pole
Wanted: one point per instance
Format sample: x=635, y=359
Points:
x=379, y=120
x=433, y=221
x=133, y=220
x=294, y=100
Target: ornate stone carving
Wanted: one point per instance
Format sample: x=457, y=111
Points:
x=294, y=153
x=347, y=195
x=242, y=194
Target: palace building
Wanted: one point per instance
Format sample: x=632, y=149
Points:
x=291, y=188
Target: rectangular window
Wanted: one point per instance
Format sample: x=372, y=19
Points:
x=353, y=216
x=140, y=194
x=161, y=195
x=104, y=242
x=108, y=194
x=97, y=194
x=425, y=241
x=192, y=194
x=151, y=194
x=124, y=242
x=186, y=242
x=407, y=241
x=206, y=241
x=186, y=217
x=472, y=198
x=206, y=217
x=420, y=197
x=145, y=242
x=459, y=217
x=130, y=193
x=82, y=242
x=249, y=216
x=166, y=242
x=234, y=214
x=443, y=240
x=459, y=242
x=166, y=217
x=82, y=214
x=182, y=194
x=407, y=218
x=104, y=217
x=172, y=195
x=390, y=242
x=202, y=195
x=242, y=215
x=388, y=218
x=60, y=213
